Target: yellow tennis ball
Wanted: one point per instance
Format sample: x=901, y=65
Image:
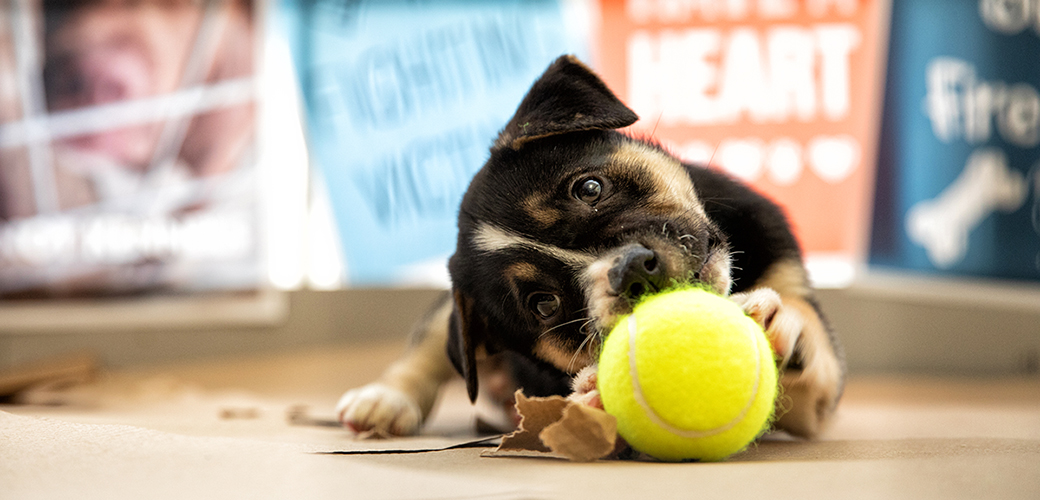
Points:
x=688, y=376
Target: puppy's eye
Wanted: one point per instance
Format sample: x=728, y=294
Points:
x=588, y=190
x=544, y=304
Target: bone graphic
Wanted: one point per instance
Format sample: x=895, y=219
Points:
x=941, y=225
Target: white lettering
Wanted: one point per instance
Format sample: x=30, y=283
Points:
x=742, y=83
x=820, y=8
x=777, y=9
x=836, y=42
x=962, y=107
x=1010, y=17
x=791, y=68
x=121, y=239
x=38, y=241
x=656, y=84
x=944, y=77
x=677, y=11
x=704, y=76
x=1019, y=120
x=683, y=11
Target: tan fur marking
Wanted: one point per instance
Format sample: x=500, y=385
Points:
x=534, y=207
x=568, y=361
x=522, y=271
x=673, y=189
x=787, y=277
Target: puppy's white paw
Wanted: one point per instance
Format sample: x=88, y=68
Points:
x=783, y=326
x=583, y=387
x=379, y=409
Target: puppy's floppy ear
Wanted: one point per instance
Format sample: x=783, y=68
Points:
x=466, y=331
x=568, y=97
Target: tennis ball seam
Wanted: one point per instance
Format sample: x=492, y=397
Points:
x=633, y=333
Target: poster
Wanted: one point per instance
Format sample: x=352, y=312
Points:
x=959, y=176
x=783, y=94
x=127, y=159
x=403, y=100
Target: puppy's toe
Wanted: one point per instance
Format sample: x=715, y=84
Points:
x=380, y=409
x=585, y=380
x=783, y=325
x=761, y=304
x=584, y=388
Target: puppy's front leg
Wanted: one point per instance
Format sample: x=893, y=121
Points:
x=399, y=401
x=811, y=376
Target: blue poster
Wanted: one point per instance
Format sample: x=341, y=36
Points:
x=403, y=99
x=958, y=187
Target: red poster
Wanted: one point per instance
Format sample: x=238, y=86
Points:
x=784, y=94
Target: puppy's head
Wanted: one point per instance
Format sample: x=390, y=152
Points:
x=567, y=224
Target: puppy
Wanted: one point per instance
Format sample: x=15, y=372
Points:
x=566, y=225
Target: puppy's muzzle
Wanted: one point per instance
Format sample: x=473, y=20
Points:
x=636, y=272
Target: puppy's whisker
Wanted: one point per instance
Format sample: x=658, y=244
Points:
x=561, y=325
x=581, y=347
x=656, y=123
x=717, y=202
x=592, y=335
x=584, y=326
x=588, y=343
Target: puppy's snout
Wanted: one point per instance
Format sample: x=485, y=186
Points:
x=635, y=273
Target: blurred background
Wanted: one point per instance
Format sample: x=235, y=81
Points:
x=187, y=179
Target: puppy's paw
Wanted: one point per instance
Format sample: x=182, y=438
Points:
x=783, y=325
x=806, y=403
x=379, y=409
x=583, y=387
x=812, y=385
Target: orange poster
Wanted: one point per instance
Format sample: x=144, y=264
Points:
x=784, y=94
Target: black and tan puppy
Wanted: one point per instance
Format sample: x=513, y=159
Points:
x=567, y=223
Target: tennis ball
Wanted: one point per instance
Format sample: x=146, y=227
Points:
x=688, y=376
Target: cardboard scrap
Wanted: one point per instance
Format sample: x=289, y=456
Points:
x=47, y=375
x=535, y=414
x=583, y=434
x=560, y=427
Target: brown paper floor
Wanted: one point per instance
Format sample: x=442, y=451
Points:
x=219, y=430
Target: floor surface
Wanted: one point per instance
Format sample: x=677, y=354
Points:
x=220, y=429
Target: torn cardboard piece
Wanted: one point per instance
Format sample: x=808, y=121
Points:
x=555, y=426
x=32, y=382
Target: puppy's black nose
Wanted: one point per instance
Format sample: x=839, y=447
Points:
x=635, y=273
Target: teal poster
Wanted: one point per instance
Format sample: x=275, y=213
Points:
x=958, y=189
x=402, y=101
